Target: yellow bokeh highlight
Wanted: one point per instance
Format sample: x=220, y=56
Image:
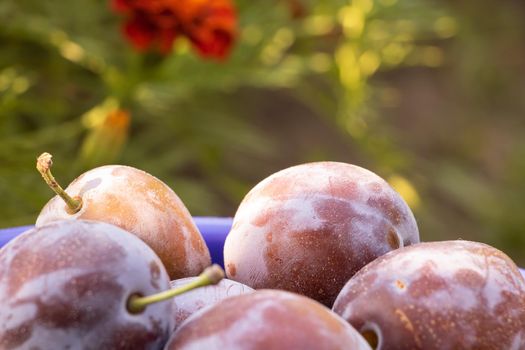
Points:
x=284, y=37
x=11, y=80
x=75, y=53
x=349, y=71
x=271, y=54
x=394, y=53
x=318, y=25
x=274, y=51
x=96, y=116
x=353, y=20
x=406, y=189
x=72, y=51
x=366, y=6
x=67, y=48
x=369, y=62
x=446, y=27
x=6, y=78
x=20, y=85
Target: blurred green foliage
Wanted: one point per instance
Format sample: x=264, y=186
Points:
x=427, y=94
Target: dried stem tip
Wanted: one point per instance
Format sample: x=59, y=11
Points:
x=44, y=162
x=43, y=165
x=213, y=273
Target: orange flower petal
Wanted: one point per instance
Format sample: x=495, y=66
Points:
x=209, y=24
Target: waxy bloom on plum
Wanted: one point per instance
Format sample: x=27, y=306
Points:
x=210, y=25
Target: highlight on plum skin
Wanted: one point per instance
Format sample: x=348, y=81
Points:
x=266, y=319
x=438, y=295
x=309, y=228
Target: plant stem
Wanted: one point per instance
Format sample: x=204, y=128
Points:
x=211, y=275
x=43, y=165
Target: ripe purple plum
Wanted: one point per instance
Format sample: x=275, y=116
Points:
x=309, y=228
x=266, y=320
x=66, y=285
x=137, y=202
x=187, y=304
x=438, y=295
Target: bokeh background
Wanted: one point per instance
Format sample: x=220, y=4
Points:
x=428, y=94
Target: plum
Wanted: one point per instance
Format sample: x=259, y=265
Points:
x=438, y=295
x=266, y=320
x=137, y=202
x=309, y=228
x=66, y=285
x=187, y=304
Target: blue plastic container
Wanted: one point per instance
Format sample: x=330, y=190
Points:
x=213, y=229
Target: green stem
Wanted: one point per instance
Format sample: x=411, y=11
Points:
x=43, y=165
x=211, y=275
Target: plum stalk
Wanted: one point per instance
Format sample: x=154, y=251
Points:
x=211, y=275
x=43, y=165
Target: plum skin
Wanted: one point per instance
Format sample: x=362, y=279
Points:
x=266, y=320
x=438, y=295
x=307, y=229
x=187, y=304
x=141, y=204
x=67, y=284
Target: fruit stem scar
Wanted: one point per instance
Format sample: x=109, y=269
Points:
x=211, y=275
x=43, y=165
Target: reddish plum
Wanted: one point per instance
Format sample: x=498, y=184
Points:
x=438, y=295
x=309, y=228
x=266, y=320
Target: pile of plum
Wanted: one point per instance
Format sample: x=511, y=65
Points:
x=320, y=256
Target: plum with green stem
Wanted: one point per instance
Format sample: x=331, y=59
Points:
x=83, y=285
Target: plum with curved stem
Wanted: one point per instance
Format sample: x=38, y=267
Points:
x=438, y=295
x=135, y=201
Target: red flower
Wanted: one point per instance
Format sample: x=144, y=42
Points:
x=210, y=25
